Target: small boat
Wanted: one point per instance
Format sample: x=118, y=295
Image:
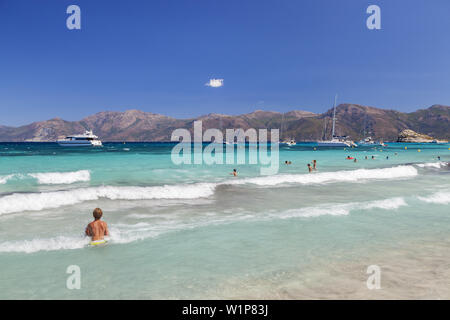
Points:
x=289, y=142
x=88, y=139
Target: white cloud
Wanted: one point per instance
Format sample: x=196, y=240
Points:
x=215, y=83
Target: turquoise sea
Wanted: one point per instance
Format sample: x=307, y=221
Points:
x=195, y=231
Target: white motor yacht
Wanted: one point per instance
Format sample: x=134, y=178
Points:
x=88, y=139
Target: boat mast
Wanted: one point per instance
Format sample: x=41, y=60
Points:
x=324, y=132
x=334, y=116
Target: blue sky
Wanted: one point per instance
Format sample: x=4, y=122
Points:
x=274, y=55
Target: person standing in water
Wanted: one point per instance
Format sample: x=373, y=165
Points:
x=97, y=229
x=314, y=164
x=234, y=173
x=309, y=167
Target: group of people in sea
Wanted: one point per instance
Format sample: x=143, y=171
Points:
x=313, y=167
x=366, y=158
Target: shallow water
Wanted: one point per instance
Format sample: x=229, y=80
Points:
x=194, y=231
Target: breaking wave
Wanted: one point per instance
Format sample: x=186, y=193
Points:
x=4, y=179
x=342, y=209
x=50, y=244
x=437, y=165
x=336, y=176
x=51, y=177
x=441, y=197
x=61, y=177
x=19, y=202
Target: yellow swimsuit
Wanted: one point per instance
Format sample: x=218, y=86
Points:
x=98, y=242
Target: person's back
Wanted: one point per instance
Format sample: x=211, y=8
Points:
x=97, y=229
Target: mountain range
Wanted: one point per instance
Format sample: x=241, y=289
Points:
x=352, y=119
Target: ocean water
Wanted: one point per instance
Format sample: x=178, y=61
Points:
x=195, y=231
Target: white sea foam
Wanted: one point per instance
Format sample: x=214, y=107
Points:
x=436, y=165
x=342, y=209
x=49, y=244
x=18, y=202
x=73, y=242
x=10, y=177
x=336, y=176
x=61, y=177
x=441, y=197
x=51, y=177
x=4, y=179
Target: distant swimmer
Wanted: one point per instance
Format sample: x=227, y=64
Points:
x=373, y=157
x=439, y=157
x=356, y=160
x=97, y=229
x=309, y=167
x=314, y=164
x=234, y=173
x=387, y=157
x=349, y=158
x=366, y=158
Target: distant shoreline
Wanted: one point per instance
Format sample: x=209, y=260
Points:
x=353, y=120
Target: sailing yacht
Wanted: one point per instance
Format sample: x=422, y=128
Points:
x=336, y=141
